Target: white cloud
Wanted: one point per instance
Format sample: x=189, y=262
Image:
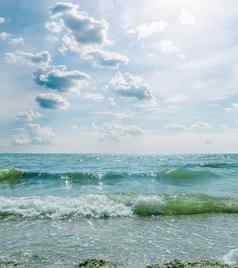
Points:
x=52, y=101
x=42, y=58
x=196, y=126
x=200, y=126
x=81, y=28
x=232, y=108
x=62, y=7
x=11, y=39
x=186, y=18
x=115, y=132
x=2, y=20
x=59, y=78
x=34, y=134
x=18, y=41
x=5, y=36
x=83, y=34
x=128, y=86
x=146, y=30
x=29, y=116
x=96, y=56
x=105, y=59
x=30, y=131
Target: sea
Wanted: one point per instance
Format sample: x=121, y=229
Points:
x=57, y=210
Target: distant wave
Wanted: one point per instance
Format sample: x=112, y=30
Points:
x=115, y=205
x=215, y=165
x=186, y=173
x=169, y=175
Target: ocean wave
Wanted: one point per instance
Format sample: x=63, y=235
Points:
x=186, y=173
x=116, y=205
x=169, y=175
x=95, y=206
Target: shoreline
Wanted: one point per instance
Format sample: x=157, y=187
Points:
x=98, y=263
x=94, y=263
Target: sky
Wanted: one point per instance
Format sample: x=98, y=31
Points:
x=133, y=77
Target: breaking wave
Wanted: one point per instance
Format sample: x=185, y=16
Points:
x=115, y=205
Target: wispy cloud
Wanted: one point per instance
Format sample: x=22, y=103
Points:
x=39, y=59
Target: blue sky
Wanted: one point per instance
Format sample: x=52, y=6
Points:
x=155, y=76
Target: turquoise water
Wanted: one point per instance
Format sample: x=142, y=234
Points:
x=58, y=209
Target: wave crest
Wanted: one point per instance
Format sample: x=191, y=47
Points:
x=169, y=175
x=117, y=205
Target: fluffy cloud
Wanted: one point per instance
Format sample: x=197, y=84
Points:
x=34, y=134
x=62, y=7
x=115, y=132
x=95, y=55
x=128, y=86
x=146, y=30
x=84, y=35
x=5, y=36
x=106, y=59
x=52, y=101
x=41, y=58
x=83, y=29
x=2, y=20
x=59, y=78
x=30, y=131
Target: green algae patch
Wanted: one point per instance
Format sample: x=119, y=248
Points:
x=94, y=263
x=200, y=264
x=11, y=176
x=8, y=264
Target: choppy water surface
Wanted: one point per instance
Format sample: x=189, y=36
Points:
x=56, y=210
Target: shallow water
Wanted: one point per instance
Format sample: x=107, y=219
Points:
x=56, y=210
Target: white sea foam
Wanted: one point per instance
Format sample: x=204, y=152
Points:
x=231, y=258
x=96, y=206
